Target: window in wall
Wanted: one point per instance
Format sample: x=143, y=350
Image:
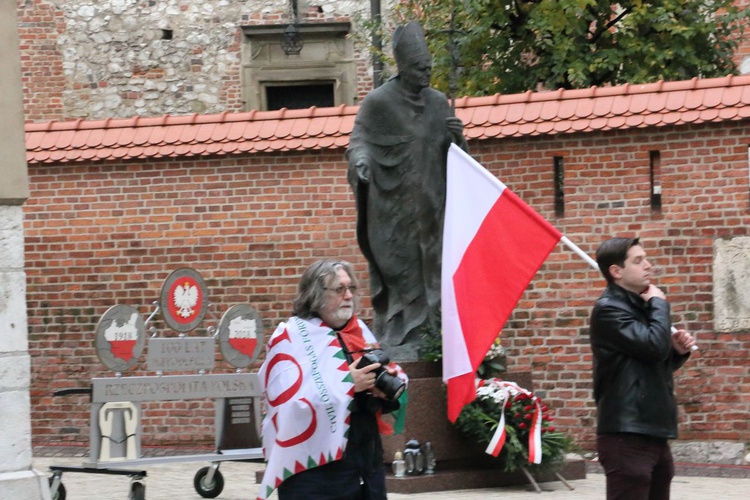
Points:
x=299, y=95
x=323, y=74
x=559, y=192
x=655, y=167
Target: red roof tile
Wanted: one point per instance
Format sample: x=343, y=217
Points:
x=682, y=101
x=566, y=109
x=585, y=107
x=473, y=133
x=173, y=135
x=550, y=111
x=531, y=113
x=515, y=112
x=562, y=126
x=603, y=106
x=347, y=124
x=110, y=137
x=497, y=114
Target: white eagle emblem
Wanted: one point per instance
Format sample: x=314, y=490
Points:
x=185, y=299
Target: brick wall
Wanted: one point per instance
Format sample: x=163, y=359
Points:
x=104, y=234
x=40, y=25
x=100, y=235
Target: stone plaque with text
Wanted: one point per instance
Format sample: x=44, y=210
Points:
x=180, y=354
x=732, y=284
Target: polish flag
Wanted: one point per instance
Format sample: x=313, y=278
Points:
x=493, y=244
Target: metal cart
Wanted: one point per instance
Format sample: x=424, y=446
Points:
x=114, y=445
x=115, y=416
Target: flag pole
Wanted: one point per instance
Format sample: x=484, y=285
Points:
x=593, y=264
x=580, y=252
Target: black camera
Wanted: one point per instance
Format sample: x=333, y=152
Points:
x=391, y=386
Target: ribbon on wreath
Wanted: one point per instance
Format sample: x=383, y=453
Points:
x=535, y=432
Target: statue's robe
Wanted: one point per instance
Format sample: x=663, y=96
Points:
x=400, y=210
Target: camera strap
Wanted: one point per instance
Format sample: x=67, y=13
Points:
x=349, y=358
x=347, y=352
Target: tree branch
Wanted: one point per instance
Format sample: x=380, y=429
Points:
x=596, y=35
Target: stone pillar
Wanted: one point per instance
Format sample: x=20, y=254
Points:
x=17, y=479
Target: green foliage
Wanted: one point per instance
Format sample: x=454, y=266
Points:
x=432, y=346
x=510, y=46
x=479, y=420
x=490, y=366
x=495, y=362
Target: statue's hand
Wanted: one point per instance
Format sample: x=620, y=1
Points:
x=455, y=127
x=363, y=171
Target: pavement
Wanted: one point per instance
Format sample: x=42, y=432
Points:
x=174, y=481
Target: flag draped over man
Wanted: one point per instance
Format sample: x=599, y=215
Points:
x=493, y=244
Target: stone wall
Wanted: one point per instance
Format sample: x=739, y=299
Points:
x=112, y=58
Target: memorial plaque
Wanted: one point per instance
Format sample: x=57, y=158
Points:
x=175, y=387
x=183, y=300
x=732, y=284
x=240, y=335
x=120, y=337
x=180, y=354
x=240, y=427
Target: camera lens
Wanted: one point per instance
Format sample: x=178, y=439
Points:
x=391, y=386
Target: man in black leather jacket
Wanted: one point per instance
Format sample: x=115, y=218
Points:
x=635, y=353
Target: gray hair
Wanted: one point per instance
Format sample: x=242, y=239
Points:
x=312, y=287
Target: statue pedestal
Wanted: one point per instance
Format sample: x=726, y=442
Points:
x=461, y=464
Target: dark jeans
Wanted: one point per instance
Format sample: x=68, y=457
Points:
x=638, y=467
x=339, y=480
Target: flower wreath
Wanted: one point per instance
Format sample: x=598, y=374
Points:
x=515, y=425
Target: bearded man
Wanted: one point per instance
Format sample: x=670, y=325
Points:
x=323, y=410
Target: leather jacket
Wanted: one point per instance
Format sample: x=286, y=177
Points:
x=633, y=364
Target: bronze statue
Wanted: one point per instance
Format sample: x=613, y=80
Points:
x=397, y=169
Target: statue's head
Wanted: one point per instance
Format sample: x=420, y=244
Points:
x=412, y=56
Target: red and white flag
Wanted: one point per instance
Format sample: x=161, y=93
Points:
x=493, y=244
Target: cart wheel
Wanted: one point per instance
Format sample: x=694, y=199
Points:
x=60, y=493
x=211, y=490
x=137, y=491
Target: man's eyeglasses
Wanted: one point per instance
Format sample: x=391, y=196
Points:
x=341, y=290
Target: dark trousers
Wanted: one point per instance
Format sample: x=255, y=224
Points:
x=339, y=480
x=637, y=467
